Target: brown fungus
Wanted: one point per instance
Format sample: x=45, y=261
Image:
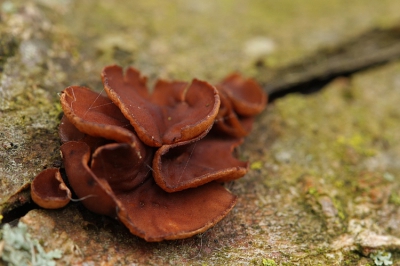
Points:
x=156, y=215
x=146, y=209
x=49, y=191
x=174, y=112
x=241, y=100
x=120, y=165
x=247, y=97
x=95, y=115
x=109, y=187
x=68, y=132
x=95, y=194
x=186, y=165
x=149, y=159
x=228, y=122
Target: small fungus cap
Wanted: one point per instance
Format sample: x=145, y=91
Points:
x=49, y=191
x=247, y=97
x=228, y=122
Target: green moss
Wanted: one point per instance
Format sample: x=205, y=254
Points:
x=257, y=165
x=313, y=191
x=360, y=143
x=268, y=262
x=394, y=198
x=340, y=208
x=324, y=135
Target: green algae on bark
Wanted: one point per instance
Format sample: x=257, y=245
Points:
x=339, y=150
x=278, y=217
x=31, y=75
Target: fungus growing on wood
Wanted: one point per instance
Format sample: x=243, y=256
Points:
x=186, y=165
x=95, y=115
x=49, y=191
x=241, y=100
x=68, y=132
x=118, y=184
x=173, y=112
x=247, y=97
x=155, y=215
x=150, y=159
x=228, y=122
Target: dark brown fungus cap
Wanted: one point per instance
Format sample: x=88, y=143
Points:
x=95, y=193
x=68, y=132
x=228, y=122
x=120, y=165
x=95, y=115
x=246, y=95
x=49, y=191
x=155, y=215
x=177, y=167
x=174, y=112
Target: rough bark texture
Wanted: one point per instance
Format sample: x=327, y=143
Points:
x=325, y=178
x=375, y=47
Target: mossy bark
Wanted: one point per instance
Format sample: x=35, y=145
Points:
x=324, y=186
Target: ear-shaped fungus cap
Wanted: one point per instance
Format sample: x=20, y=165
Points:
x=247, y=97
x=49, y=191
x=155, y=215
x=120, y=165
x=186, y=165
x=228, y=122
x=95, y=115
x=68, y=132
x=132, y=195
x=174, y=112
x=95, y=194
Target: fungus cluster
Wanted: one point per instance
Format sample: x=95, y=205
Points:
x=155, y=161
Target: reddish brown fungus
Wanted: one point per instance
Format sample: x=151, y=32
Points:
x=147, y=210
x=68, y=132
x=49, y=191
x=95, y=194
x=95, y=115
x=134, y=197
x=247, y=97
x=149, y=159
x=228, y=122
x=174, y=112
x=155, y=215
x=120, y=165
x=181, y=166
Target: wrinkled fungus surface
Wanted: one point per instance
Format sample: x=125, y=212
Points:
x=155, y=161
